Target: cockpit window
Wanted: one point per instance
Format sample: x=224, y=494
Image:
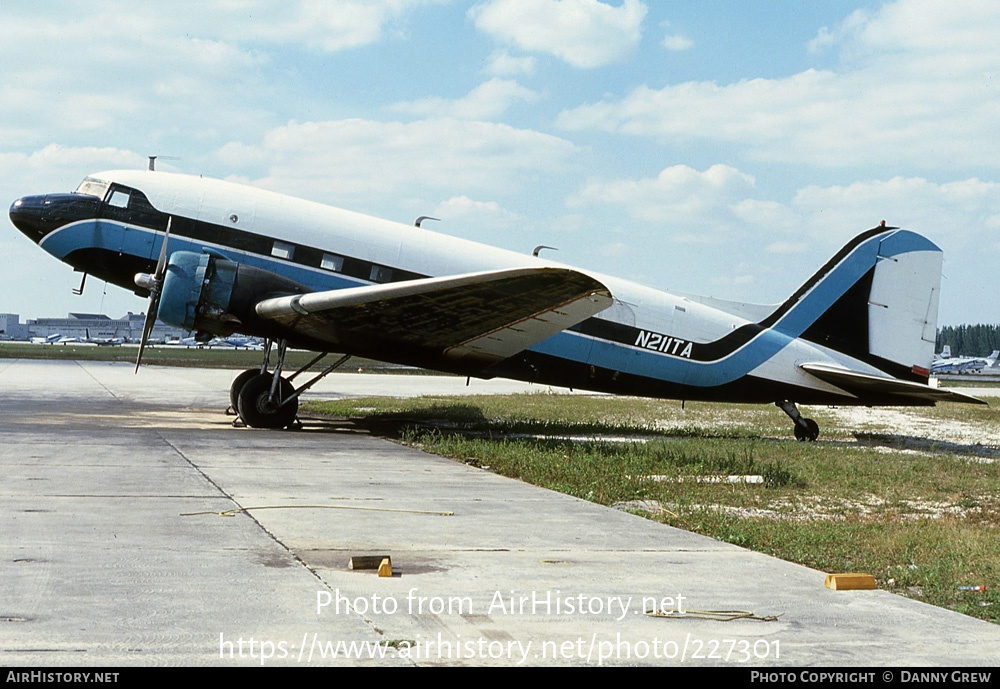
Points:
x=118, y=199
x=93, y=187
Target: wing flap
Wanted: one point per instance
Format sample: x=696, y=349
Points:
x=866, y=385
x=463, y=322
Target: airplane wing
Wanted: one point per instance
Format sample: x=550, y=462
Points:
x=466, y=322
x=866, y=385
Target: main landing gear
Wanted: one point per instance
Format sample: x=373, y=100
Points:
x=268, y=400
x=805, y=429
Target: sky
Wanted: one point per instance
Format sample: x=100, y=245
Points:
x=718, y=148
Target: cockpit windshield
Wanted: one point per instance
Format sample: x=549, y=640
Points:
x=93, y=187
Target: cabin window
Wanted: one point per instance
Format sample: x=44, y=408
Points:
x=380, y=274
x=331, y=262
x=282, y=250
x=118, y=199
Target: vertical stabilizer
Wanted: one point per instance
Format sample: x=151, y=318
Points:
x=876, y=301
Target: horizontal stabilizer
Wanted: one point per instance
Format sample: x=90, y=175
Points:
x=460, y=323
x=868, y=386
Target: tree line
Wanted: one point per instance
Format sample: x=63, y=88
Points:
x=969, y=340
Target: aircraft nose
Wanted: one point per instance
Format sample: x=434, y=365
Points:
x=28, y=214
x=36, y=216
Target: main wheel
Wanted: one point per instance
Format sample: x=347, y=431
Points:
x=234, y=390
x=810, y=432
x=256, y=408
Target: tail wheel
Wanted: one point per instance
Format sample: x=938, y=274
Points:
x=258, y=410
x=810, y=432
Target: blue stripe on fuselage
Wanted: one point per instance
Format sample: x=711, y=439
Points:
x=734, y=365
x=641, y=362
x=146, y=243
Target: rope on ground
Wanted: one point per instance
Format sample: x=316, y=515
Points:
x=717, y=615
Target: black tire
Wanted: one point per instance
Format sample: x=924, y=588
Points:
x=810, y=432
x=256, y=409
x=234, y=390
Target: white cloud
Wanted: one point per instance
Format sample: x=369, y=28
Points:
x=676, y=42
x=769, y=215
x=827, y=38
x=916, y=88
x=930, y=37
x=59, y=168
x=487, y=101
x=503, y=64
x=317, y=24
x=583, y=33
x=679, y=196
x=956, y=212
x=464, y=208
x=79, y=73
x=94, y=73
x=788, y=237
x=341, y=160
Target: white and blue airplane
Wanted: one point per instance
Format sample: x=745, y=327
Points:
x=220, y=258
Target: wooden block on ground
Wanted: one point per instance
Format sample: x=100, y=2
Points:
x=850, y=582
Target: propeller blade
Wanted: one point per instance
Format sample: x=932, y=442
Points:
x=155, y=287
x=147, y=326
x=161, y=263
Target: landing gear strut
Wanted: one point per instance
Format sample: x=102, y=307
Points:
x=267, y=400
x=805, y=429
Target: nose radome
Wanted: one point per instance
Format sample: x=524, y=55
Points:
x=37, y=216
x=27, y=214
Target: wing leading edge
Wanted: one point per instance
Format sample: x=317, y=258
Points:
x=462, y=323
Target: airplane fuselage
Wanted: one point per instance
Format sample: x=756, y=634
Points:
x=649, y=342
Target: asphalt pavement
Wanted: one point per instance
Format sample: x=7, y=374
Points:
x=141, y=528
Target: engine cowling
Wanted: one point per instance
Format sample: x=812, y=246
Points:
x=208, y=293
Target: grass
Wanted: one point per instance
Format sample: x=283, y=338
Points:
x=923, y=521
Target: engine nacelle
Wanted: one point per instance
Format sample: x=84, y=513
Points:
x=211, y=294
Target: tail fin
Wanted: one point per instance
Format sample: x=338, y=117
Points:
x=876, y=300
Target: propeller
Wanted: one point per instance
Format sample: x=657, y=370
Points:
x=153, y=283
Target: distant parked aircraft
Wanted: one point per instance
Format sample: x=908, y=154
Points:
x=968, y=364
x=112, y=341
